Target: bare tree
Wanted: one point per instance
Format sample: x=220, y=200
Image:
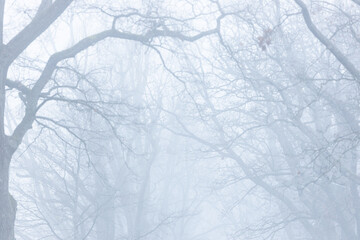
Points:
x=283, y=106
x=34, y=97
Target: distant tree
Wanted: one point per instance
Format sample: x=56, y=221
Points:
x=279, y=100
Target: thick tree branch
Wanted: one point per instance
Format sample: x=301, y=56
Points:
x=327, y=43
x=35, y=93
x=17, y=85
x=37, y=26
x=3, y=73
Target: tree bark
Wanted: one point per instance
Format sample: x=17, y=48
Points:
x=8, y=203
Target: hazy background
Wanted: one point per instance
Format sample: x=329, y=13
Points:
x=248, y=132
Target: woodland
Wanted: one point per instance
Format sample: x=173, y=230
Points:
x=179, y=119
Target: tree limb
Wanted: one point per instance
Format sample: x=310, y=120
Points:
x=37, y=26
x=327, y=43
x=17, y=85
x=35, y=93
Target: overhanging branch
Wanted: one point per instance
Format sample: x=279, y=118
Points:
x=35, y=28
x=327, y=43
x=17, y=85
x=35, y=93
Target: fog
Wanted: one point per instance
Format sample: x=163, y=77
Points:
x=179, y=120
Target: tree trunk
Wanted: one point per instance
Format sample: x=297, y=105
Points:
x=7, y=202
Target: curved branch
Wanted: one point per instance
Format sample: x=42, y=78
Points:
x=327, y=43
x=35, y=93
x=37, y=26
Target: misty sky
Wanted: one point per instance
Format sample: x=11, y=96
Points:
x=180, y=120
